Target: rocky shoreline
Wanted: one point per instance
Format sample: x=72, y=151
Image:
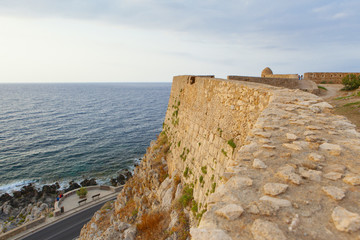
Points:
x=30, y=203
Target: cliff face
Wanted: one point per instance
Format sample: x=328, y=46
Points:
x=241, y=160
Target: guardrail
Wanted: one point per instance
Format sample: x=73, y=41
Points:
x=22, y=228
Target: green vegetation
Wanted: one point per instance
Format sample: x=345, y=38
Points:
x=213, y=187
x=321, y=87
x=186, y=172
x=224, y=152
x=50, y=215
x=212, y=177
x=163, y=139
x=351, y=82
x=187, y=196
x=194, y=207
x=357, y=94
x=184, y=154
x=204, y=169
x=134, y=212
x=199, y=215
x=345, y=97
x=232, y=144
x=220, y=131
x=81, y=192
x=179, y=143
x=351, y=104
x=201, y=179
x=175, y=115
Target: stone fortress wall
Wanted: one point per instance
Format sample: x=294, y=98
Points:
x=327, y=77
x=279, y=82
x=203, y=115
x=317, y=77
x=264, y=162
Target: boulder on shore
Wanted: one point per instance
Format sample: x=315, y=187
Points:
x=87, y=182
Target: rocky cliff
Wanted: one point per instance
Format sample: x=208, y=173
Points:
x=241, y=160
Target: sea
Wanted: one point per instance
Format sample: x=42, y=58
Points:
x=70, y=131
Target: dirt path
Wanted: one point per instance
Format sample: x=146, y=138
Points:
x=346, y=103
x=333, y=91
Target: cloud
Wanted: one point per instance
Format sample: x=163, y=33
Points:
x=340, y=15
x=191, y=34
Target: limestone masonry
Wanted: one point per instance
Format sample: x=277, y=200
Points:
x=327, y=77
x=262, y=162
x=317, y=77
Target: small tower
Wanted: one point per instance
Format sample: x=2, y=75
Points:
x=267, y=71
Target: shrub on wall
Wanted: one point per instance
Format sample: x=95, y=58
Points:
x=351, y=82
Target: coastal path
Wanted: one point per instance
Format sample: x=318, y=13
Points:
x=67, y=225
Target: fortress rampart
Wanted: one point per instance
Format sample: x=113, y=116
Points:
x=202, y=117
x=262, y=162
x=291, y=83
x=262, y=147
x=327, y=77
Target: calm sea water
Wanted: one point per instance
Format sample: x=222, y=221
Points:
x=62, y=132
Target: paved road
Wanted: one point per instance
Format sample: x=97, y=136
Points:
x=68, y=228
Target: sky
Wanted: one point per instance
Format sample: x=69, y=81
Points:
x=154, y=40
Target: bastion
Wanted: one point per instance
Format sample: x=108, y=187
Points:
x=262, y=162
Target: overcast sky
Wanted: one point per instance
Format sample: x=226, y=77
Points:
x=153, y=40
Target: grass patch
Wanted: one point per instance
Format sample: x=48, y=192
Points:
x=186, y=172
x=224, y=152
x=194, y=208
x=204, y=169
x=345, y=97
x=352, y=104
x=322, y=87
x=199, y=215
x=184, y=154
x=357, y=94
x=220, y=131
x=231, y=143
x=187, y=196
x=201, y=179
x=213, y=187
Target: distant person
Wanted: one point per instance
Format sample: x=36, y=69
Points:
x=302, y=77
x=299, y=77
